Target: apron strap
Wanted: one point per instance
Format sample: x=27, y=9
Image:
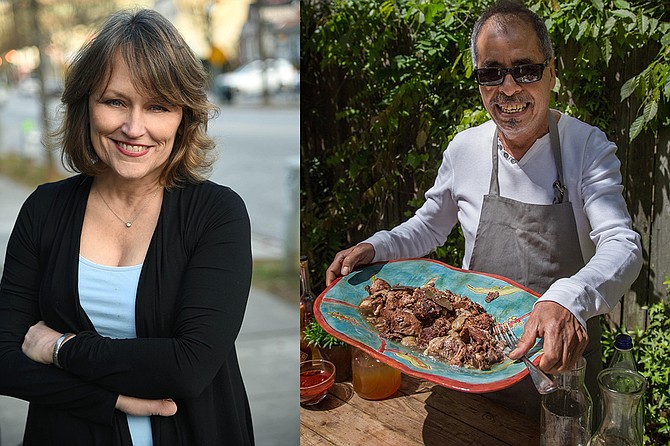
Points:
x=560, y=191
x=494, y=187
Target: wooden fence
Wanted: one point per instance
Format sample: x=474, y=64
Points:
x=646, y=176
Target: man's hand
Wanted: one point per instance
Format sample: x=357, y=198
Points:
x=564, y=337
x=345, y=261
x=144, y=408
x=39, y=341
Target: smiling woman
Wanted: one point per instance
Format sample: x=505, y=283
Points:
x=131, y=134
x=125, y=286
x=163, y=70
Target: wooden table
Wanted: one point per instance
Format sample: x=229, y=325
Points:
x=420, y=413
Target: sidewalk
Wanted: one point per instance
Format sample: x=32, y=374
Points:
x=12, y=197
x=267, y=344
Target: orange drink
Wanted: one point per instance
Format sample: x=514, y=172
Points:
x=372, y=379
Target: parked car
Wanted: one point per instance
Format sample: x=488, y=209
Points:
x=248, y=79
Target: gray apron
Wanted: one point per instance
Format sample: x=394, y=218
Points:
x=534, y=245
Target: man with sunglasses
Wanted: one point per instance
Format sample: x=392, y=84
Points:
x=538, y=196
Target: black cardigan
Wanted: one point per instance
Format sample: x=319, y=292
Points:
x=191, y=299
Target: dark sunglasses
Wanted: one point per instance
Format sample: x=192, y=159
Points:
x=522, y=74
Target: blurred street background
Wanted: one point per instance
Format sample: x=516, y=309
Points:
x=252, y=50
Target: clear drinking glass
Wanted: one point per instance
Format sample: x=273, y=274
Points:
x=566, y=412
x=620, y=390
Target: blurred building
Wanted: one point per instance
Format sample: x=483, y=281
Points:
x=272, y=30
x=223, y=33
x=211, y=27
x=229, y=33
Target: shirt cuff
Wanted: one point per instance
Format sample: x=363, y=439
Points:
x=582, y=302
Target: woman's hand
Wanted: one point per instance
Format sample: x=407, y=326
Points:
x=39, y=342
x=144, y=408
x=38, y=345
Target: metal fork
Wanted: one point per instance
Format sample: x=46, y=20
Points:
x=542, y=382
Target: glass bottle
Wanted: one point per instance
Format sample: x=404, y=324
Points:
x=307, y=297
x=620, y=390
x=305, y=350
x=623, y=353
x=306, y=310
x=566, y=412
x=623, y=358
x=372, y=379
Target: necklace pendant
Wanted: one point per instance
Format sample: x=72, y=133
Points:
x=127, y=223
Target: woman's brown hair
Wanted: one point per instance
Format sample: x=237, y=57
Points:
x=161, y=66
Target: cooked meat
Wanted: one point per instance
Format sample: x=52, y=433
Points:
x=442, y=324
x=451, y=348
x=409, y=341
x=378, y=285
x=483, y=321
x=406, y=300
x=438, y=297
x=426, y=310
x=400, y=324
x=440, y=327
x=493, y=295
x=459, y=321
x=475, y=334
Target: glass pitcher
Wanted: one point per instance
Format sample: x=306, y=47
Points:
x=566, y=412
x=620, y=390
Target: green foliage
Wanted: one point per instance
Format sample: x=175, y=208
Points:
x=600, y=31
x=317, y=336
x=652, y=350
x=386, y=84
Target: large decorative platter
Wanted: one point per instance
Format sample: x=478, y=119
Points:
x=336, y=309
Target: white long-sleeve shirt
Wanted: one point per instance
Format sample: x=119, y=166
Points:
x=611, y=249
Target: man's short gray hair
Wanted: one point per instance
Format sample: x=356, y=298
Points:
x=504, y=12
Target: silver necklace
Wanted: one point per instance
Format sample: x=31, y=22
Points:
x=507, y=155
x=127, y=223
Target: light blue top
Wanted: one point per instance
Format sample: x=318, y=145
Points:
x=107, y=294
